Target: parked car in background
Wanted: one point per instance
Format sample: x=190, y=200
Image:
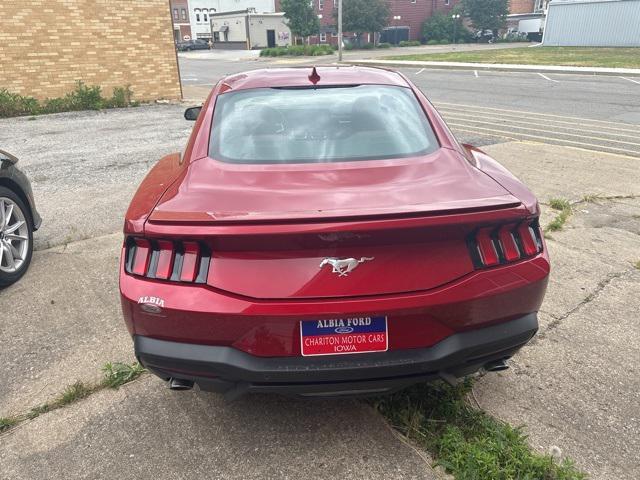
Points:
x=197, y=44
x=324, y=233
x=18, y=220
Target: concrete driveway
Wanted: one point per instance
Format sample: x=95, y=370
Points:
x=576, y=387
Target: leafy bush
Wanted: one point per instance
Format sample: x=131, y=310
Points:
x=440, y=27
x=12, y=104
x=384, y=45
x=367, y=46
x=444, y=42
x=409, y=43
x=432, y=42
x=297, y=51
x=83, y=97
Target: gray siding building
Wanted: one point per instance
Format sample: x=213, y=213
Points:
x=593, y=23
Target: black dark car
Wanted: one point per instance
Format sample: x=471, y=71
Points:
x=197, y=44
x=18, y=220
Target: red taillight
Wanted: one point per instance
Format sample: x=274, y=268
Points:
x=140, y=256
x=490, y=246
x=190, y=262
x=487, y=247
x=508, y=243
x=166, y=254
x=529, y=239
x=167, y=260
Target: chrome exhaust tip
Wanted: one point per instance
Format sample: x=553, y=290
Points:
x=496, y=365
x=180, y=384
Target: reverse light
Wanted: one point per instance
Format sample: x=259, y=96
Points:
x=167, y=260
x=498, y=245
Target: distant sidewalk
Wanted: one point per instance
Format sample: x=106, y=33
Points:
x=630, y=72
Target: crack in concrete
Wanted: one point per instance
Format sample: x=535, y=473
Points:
x=557, y=320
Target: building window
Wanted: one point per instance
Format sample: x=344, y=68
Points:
x=323, y=37
x=197, y=12
x=334, y=34
x=446, y=2
x=414, y=1
x=184, y=14
x=206, y=19
x=335, y=3
x=175, y=14
x=320, y=4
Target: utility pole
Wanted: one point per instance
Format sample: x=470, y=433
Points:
x=339, y=30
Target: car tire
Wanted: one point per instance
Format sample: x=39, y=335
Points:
x=19, y=212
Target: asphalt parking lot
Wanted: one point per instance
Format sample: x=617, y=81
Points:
x=576, y=387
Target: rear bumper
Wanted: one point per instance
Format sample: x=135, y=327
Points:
x=231, y=371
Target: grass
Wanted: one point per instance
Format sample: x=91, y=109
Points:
x=115, y=375
x=564, y=212
x=467, y=442
x=569, y=56
x=82, y=97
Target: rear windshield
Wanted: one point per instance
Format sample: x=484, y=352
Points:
x=329, y=124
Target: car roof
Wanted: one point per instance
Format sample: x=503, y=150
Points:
x=304, y=77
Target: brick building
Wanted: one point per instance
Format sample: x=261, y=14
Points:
x=412, y=14
x=181, y=20
x=45, y=47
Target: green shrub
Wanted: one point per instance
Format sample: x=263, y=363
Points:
x=83, y=97
x=432, y=42
x=440, y=27
x=368, y=46
x=384, y=45
x=409, y=43
x=444, y=42
x=297, y=51
x=13, y=105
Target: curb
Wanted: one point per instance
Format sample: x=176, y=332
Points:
x=628, y=72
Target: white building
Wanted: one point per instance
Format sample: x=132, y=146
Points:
x=245, y=29
x=200, y=11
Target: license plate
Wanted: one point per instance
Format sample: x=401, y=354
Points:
x=343, y=336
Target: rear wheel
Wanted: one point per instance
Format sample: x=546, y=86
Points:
x=16, y=237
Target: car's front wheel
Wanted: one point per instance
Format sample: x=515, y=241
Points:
x=16, y=237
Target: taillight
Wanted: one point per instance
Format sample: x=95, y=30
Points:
x=507, y=243
x=167, y=260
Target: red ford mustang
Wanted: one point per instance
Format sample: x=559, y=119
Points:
x=323, y=233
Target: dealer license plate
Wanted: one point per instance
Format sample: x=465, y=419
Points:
x=344, y=335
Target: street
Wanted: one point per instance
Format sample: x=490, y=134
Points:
x=593, y=112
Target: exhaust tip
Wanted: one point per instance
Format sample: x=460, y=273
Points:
x=496, y=365
x=180, y=384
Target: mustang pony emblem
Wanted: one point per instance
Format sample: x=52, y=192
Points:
x=342, y=266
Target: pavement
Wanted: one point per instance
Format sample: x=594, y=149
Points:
x=575, y=387
x=600, y=113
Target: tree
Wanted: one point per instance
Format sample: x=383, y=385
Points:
x=486, y=14
x=360, y=16
x=303, y=21
x=439, y=27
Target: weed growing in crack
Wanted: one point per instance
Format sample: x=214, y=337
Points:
x=6, y=423
x=117, y=374
x=74, y=393
x=467, y=442
x=564, y=208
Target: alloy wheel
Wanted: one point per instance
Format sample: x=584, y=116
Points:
x=14, y=236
